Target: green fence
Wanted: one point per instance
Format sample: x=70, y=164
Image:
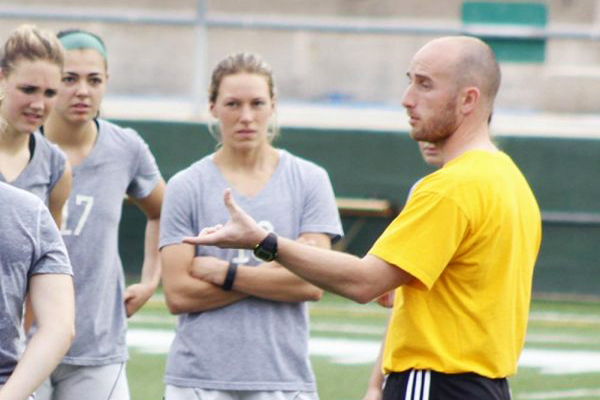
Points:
x=380, y=164
x=521, y=16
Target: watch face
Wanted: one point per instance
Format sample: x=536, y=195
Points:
x=267, y=249
x=263, y=254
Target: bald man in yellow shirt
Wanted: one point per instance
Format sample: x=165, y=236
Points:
x=463, y=248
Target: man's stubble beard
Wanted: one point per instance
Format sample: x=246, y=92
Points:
x=440, y=127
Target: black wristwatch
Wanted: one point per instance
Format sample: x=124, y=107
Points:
x=267, y=249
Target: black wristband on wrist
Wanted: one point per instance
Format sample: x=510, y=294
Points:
x=230, y=276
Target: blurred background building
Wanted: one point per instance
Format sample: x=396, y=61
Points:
x=332, y=51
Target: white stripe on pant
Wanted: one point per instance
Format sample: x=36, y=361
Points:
x=422, y=381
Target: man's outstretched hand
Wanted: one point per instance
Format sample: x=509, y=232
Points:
x=240, y=232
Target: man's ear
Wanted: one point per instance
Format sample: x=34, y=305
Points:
x=470, y=99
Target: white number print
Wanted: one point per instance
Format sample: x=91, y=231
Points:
x=243, y=256
x=88, y=203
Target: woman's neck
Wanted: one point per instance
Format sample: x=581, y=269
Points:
x=66, y=134
x=12, y=141
x=14, y=153
x=258, y=159
x=247, y=171
x=76, y=140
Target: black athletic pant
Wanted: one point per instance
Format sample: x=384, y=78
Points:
x=431, y=385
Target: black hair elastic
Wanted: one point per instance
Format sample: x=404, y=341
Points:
x=230, y=276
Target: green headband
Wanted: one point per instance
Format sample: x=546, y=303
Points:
x=83, y=40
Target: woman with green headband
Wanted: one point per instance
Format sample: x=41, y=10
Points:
x=108, y=162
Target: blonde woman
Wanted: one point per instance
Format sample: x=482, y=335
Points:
x=243, y=325
x=30, y=72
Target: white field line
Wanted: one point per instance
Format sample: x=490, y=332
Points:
x=154, y=319
x=322, y=327
x=351, y=351
x=347, y=328
x=561, y=362
x=367, y=329
x=150, y=341
x=571, y=338
x=561, y=394
x=550, y=316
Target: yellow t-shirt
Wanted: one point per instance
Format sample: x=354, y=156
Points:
x=469, y=234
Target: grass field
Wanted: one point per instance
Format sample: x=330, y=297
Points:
x=561, y=359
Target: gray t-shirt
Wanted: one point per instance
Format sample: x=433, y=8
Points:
x=30, y=244
x=253, y=344
x=45, y=168
x=119, y=163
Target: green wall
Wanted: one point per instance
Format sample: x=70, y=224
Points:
x=562, y=173
x=516, y=14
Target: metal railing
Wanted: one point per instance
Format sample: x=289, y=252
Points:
x=201, y=20
x=296, y=23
